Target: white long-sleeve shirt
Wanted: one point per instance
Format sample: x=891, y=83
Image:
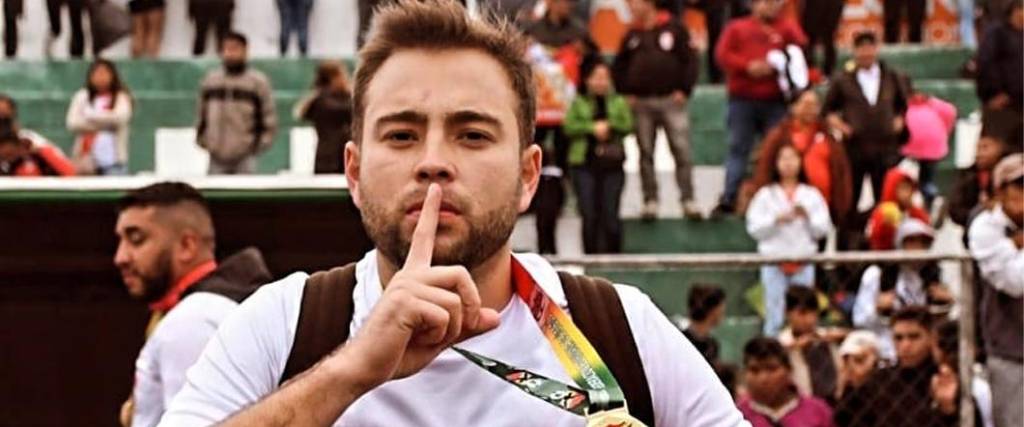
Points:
x=797, y=237
x=246, y=358
x=1000, y=261
x=909, y=291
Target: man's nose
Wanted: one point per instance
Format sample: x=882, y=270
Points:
x=436, y=162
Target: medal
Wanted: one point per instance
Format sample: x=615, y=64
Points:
x=615, y=418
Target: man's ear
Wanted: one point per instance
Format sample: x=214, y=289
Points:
x=529, y=174
x=352, y=154
x=187, y=246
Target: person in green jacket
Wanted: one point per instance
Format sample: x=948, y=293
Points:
x=596, y=123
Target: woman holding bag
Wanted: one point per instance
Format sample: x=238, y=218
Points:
x=99, y=116
x=596, y=123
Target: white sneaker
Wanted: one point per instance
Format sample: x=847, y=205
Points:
x=650, y=210
x=691, y=211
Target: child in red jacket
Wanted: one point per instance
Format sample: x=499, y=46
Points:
x=897, y=203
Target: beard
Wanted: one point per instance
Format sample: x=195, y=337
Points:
x=487, y=233
x=156, y=283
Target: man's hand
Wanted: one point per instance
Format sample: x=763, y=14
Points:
x=679, y=97
x=939, y=293
x=759, y=69
x=601, y=130
x=423, y=310
x=886, y=301
x=799, y=212
x=944, y=389
x=836, y=122
x=998, y=102
x=897, y=124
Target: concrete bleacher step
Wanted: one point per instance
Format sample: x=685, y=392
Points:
x=678, y=235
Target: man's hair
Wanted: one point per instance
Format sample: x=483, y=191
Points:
x=235, y=36
x=174, y=195
x=916, y=314
x=703, y=299
x=801, y=298
x=865, y=37
x=439, y=25
x=762, y=348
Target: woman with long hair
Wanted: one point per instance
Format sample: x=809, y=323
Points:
x=99, y=116
x=329, y=108
x=786, y=217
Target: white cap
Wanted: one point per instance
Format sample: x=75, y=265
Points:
x=858, y=341
x=913, y=227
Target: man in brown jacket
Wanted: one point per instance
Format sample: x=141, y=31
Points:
x=866, y=103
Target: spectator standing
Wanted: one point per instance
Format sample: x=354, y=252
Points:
x=329, y=108
x=1000, y=65
x=20, y=157
x=147, y=27
x=973, y=192
x=773, y=399
x=813, y=350
x=755, y=99
x=824, y=159
x=294, y=19
x=865, y=104
x=75, y=10
x=903, y=395
x=897, y=205
x=996, y=242
x=237, y=117
x=885, y=289
x=165, y=255
x=656, y=68
x=929, y=122
x=893, y=13
x=859, y=360
x=207, y=15
x=820, y=20
x=596, y=123
x=13, y=10
x=786, y=217
x=716, y=13
x=99, y=116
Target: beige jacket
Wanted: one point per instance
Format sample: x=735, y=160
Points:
x=82, y=118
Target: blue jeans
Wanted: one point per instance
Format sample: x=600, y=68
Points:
x=748, y=121
x=965, y=8
x=926, y=178
x=597, y=196
x=775, y=283
x=294, y=18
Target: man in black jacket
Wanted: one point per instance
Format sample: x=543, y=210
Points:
x=866, y=103
x=1000, y=67
x=904, y=395
x=656, y=68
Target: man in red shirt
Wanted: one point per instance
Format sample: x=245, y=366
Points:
x=755, y=100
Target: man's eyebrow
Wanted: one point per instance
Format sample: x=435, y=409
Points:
x=404, y=116
x=129, y=230
x=469, y=116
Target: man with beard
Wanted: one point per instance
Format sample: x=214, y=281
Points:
x=237, y=119
x=440, y=166
x=165, y=254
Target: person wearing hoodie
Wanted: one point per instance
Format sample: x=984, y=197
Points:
x=165, y=255
x=786, y=217
x=656, y=68
x=929, y=121
x=885, y=289
x=897, y=205
x=237, y=118
x=996, y=242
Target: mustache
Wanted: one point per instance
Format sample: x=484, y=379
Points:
x=450, y=201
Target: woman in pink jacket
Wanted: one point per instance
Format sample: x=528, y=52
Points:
x=929, y=122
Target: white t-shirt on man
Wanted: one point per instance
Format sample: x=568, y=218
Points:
x=245, y=359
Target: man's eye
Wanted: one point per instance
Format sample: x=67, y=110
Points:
x=475, y=137
x=400, y=136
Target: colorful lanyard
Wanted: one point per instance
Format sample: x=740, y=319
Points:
x=598, y=393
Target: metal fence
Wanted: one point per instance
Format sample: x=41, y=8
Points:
x=847, y=266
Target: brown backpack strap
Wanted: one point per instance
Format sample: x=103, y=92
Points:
x=324, y=318
x=596, y=309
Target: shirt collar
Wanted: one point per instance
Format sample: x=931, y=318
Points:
x=776, y=414
x=873, y=72
x=173, y=295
